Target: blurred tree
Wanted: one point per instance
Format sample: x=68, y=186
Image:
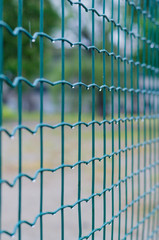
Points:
x=30, y=51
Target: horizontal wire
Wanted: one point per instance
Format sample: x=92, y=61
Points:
x=16, y=31
x=79, y=163
x=37, y=81
x=72, y=206
x=46, y=125
x=137, y=8
x=118, y=24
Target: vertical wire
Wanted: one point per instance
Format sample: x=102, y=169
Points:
x=119, y=137
x=125, y=100
x=104, y=128
x=156, y=111
x=157, y=75
x=132, y=113
x=154, y=120
x=20, y=9
x=41, y=116
x=79, y=127
x=138, y=114
x=62, y=116
x=144, y=113
x=152, y=106
x=93, y=126
x=112, y=116
x=150, y=124
x=1, y=106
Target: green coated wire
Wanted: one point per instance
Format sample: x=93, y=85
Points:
x=97, y=229
x=16, y=31
x=155, y=110
x=132, y=126
x=83, y=162
x=130, y=3
x=112, y=114
x=157, y=75
x=93, y=126
x=1, y=105
x=154, y=121
x=151, y=103
x=20, y=10
x=45, y=125
x=151, y=144
x=138, y=123
x=16, y=81
x=157, y=34
x=156, y=125
x=79, y=127
x=144, y=111
x=150, y=124
x=125, y=110
x=104, y=127
x=41, y=116
x=119, y=127
x=62, y=115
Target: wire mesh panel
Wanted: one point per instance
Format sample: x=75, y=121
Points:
x=89, y=170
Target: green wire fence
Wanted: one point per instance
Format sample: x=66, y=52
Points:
x=130, y=135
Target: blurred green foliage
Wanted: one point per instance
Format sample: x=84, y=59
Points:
x=8, y=114
x=30, y=51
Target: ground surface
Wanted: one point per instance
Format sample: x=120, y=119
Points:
x=52, y=183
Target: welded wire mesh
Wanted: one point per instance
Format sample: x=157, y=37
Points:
x=130, y=119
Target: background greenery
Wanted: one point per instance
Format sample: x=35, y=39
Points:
x=52, y=52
